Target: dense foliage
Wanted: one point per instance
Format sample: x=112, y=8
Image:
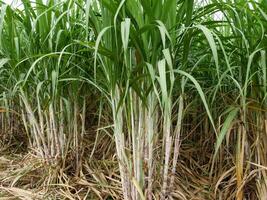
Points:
x=134, y=99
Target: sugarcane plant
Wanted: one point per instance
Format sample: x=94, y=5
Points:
x=175, y=89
